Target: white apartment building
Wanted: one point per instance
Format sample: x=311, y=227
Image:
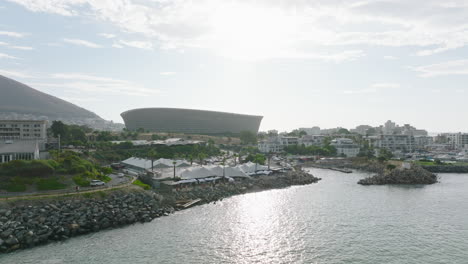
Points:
x=422, y=142
x=404, y=143
x=345, y=146
x=457, y=140
x=277, y=144
x=22, y=139
x=271, y=145
x=312, y=140
x=23, y=130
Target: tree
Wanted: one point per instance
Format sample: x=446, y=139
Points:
x=248, y=137
x=201, y=157
x=59, y=128
x=385, y=154
x=152, y=155
x=76, y=133
x=343, y=131
x=259, y=158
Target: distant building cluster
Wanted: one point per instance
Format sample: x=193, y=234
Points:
x=402, y=141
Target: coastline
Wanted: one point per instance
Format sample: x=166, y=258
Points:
x=29, y=223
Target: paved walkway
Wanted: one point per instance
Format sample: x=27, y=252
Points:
x=57, y=193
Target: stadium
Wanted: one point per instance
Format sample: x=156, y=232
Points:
x=189, y=121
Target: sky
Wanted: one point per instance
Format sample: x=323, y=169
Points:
x=298, y=63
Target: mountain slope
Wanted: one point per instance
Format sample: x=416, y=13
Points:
x=16, y=97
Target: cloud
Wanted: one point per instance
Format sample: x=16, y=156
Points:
x=390, y=57
x=6, y=56
x=454, y=67
x=386, y=85
x=147, y=45
x=22, y=47
x=374, y=88
x=5, y=44
x=93, y=84
x=167, y=73
x=263, y=29
x=12, y=34
x=83, y=43
x=106, y=35
x=15, y=74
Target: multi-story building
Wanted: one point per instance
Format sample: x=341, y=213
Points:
x=271, y=145
x=403, y=143
x=456, y=140
x=312, y=140
x=277, y=144
x=311, y=130
x=23, y=129
x=422, y=142
x=22, y=139
x=345, y=146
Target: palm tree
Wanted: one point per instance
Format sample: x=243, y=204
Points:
x=224, y=167
x=235, y=159
x=174, y=162
x=152, y=156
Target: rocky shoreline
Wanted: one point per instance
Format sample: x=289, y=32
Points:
x=29, y=223
x=415, y=175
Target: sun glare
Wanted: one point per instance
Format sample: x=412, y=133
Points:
x=251, y=32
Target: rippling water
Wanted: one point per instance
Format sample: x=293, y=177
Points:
x=333, y=221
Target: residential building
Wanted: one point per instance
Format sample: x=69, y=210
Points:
x=456, y=140
x=422, y=142
x=271, y=145
x=403, y=143
x=288, y=141
x=311, y=131
x=23, y=130
x=361, y=130
x=345, y=146
x=276, y=144
x=312, y=140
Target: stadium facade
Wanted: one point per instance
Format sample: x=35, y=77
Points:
x=189, y=121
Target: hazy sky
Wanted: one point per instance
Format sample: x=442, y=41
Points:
x=298, y=63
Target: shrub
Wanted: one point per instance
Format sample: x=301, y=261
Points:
x=50, y=184
x=81, y=181
x=391, y=167
x=143, y=185
x=26, y=168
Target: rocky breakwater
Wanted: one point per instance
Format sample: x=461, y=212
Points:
x=33, y=223
x=284, y=180
x=414, y=175
x=256, y=183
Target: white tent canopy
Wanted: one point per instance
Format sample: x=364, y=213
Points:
x=250, y=167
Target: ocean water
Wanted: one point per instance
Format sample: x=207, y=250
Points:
x=333, y=221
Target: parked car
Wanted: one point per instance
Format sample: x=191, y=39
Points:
x=97, y=183
x=120, y=175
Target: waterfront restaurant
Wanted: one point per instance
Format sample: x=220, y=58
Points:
x=18, y=150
